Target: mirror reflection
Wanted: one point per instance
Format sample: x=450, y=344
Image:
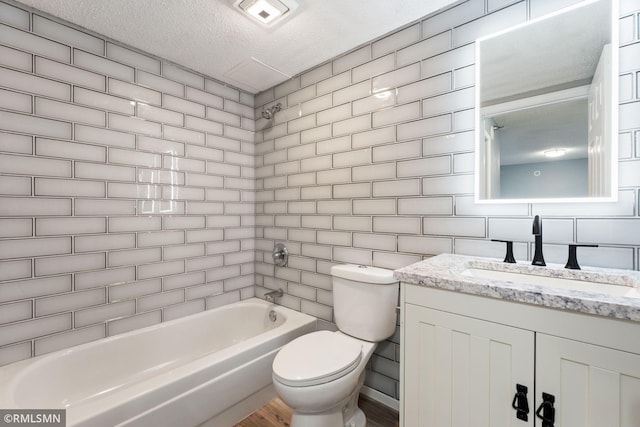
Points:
x=546, y=107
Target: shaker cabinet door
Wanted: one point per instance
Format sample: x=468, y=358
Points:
x=592, y=386
x=463, y=372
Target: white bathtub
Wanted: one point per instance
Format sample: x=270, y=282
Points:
x=211, y=368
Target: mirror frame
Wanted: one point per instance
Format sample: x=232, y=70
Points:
x=614, y=106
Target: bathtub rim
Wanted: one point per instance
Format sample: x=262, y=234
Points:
x=11, y=373
x=20, y=364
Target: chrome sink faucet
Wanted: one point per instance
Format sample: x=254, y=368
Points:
x=538, y=258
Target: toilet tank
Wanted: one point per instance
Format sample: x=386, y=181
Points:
x=364, y=301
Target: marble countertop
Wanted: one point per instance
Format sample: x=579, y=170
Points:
x=446, y=272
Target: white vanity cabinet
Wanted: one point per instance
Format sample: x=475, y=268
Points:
x=463, y=356
x=460, y=371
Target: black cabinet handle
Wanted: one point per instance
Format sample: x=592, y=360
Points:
x=548, y=415
x=521, y=403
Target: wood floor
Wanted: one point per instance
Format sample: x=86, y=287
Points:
x=277, y=414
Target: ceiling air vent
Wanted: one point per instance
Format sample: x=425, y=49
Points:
x=266, y=12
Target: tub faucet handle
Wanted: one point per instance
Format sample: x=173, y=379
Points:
x=280, y=255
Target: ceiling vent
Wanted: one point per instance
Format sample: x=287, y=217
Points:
x=266, y=12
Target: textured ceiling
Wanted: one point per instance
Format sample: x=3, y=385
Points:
x=210, y=37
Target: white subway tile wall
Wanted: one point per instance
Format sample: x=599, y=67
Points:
x=119, y=175
x=134, y=191
x=377, y=168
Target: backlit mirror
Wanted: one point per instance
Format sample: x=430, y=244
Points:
x=546, y=108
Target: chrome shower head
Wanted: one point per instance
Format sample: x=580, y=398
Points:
x=271, y=111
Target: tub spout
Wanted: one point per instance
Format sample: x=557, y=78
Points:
x=272, y=295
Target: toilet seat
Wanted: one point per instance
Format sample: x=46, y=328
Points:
x=316, y=358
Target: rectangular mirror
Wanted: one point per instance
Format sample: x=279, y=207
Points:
x=546, y=108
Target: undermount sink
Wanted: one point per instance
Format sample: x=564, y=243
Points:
x=554, y=282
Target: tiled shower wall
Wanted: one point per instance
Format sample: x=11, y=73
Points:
x=371, y=162
x=126, y=188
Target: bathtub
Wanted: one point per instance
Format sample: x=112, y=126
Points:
x=212, y=369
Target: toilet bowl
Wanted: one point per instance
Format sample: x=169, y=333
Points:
x=319, y=375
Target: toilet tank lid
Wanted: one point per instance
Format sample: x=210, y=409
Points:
x=363, y=273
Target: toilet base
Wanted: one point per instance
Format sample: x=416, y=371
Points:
x=358, y=419
x=329, y=419
x=324, y=419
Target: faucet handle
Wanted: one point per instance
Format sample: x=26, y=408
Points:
x=572, y=261
x=509, y=255
x=280, y=255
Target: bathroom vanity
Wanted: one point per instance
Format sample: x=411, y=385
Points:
x=485, y=343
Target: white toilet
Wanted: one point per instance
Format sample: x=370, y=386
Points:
x=319, y=375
